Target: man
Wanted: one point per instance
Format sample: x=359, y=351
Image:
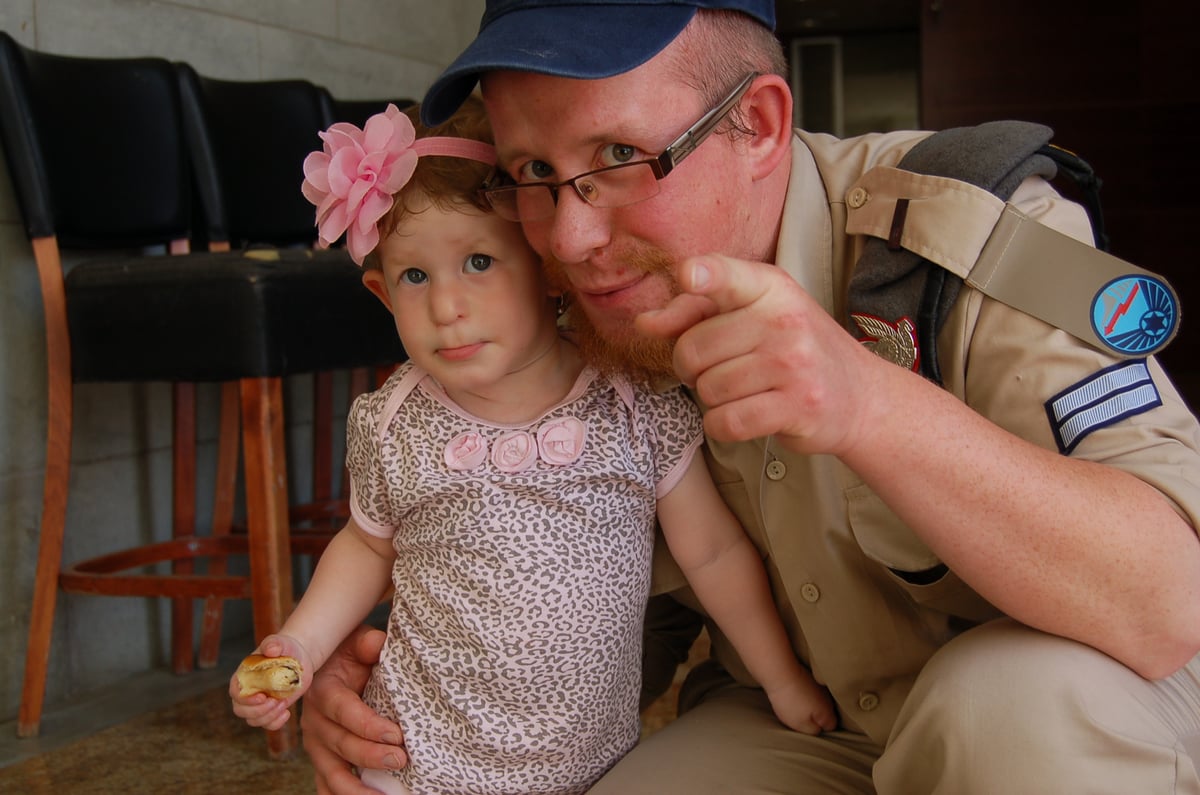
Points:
x=995, y=607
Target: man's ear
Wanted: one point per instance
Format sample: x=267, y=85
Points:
x=376, y=282
x=767, y=108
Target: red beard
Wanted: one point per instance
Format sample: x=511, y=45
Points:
x=637, y=357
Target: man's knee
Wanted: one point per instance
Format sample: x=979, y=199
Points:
x=1008, y=672
x=1006, y=708
x=732, y=742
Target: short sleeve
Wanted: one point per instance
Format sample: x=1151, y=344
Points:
x=369, y=503
x=1012, y=368
x=674, y=425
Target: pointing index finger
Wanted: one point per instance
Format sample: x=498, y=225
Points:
x=711, y=285
x=728, y=283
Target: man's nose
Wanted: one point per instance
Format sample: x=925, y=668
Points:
x=578, y=228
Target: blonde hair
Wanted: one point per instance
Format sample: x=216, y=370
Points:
x=447, y=183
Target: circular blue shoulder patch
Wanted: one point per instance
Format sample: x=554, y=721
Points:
x=1135, y=315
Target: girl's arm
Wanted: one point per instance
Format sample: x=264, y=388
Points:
x=725, y=571
x=354, y=573
x=352, y=576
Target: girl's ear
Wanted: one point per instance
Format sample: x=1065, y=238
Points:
x=375, y=281
x=767, y=108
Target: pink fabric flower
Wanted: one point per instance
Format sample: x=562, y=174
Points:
x=561, y=441
x=466, y=451
x=515, y=451
x=352, y=180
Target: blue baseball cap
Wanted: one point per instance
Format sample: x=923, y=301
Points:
x=585, y=39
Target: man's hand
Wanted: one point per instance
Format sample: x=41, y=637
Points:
x=764, y=357
x=341, y=731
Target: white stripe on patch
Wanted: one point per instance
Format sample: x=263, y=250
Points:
x=1107, y=397
x=1095, y=388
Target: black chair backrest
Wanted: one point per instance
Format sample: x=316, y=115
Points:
x=95, y=147
x=357, y=111
x=257, y=134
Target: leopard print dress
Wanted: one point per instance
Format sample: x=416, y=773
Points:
x=513, y=657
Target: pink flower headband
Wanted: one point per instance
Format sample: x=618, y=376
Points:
x=353, y=179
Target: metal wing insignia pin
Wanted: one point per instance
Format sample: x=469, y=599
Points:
x=896, y=342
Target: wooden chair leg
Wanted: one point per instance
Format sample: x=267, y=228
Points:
x=222, y=523
x=267, y=522
x=322, y=486
x=183, y=521
x=54, y=488
x=50, y=550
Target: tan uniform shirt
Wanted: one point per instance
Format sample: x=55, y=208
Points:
x=831, y=545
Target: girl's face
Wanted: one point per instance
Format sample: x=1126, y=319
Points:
x=470, y=302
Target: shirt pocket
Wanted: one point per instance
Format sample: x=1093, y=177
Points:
x=883, y=537
x=913, y=566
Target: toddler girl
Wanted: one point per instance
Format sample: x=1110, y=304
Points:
x=508, y=493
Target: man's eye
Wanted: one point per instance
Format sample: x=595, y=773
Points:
x=535, y=171
x=477, y=263
x=414, y=276
x=616, y=154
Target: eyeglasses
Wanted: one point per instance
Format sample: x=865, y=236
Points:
x=612, y=186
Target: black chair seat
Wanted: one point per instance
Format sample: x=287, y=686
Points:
x=224, y=316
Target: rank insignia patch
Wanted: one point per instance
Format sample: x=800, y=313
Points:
x=1100, y=400
x=1135, y=315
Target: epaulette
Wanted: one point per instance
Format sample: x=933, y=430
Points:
x=911, y=271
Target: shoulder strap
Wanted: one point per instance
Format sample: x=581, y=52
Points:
x=903, y=289
x=1083, y=177
x=890, y=282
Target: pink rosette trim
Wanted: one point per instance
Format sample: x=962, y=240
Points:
x=515, y=451
x=561, y=441
x=466, y=451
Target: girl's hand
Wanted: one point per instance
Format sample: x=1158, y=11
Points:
x=804, y=706
x=261, y=710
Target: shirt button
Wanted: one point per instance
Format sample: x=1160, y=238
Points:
x=810, y=592
x=776, y=470
x=867, y=701
x=857, y=197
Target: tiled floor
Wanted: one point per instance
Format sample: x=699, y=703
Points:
x=112, y=706
x=160, y=733
x=195, y=747
x=156, y=733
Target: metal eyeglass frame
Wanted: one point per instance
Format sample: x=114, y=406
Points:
x=661, y=165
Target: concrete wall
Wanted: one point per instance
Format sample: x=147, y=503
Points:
x=120, y=489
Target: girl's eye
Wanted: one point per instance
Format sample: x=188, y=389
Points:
x=616, y=154
x=414, y=276
x=477, y=263
x=535, y=171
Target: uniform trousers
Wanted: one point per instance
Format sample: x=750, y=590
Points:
x=1001, y=709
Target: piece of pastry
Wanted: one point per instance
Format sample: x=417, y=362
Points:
x=275, y=676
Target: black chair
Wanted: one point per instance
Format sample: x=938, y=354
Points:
x=98, y=155
x=249, y=140
x=357, y=111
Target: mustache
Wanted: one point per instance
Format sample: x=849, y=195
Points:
x=642, y=359
x=644, y=259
